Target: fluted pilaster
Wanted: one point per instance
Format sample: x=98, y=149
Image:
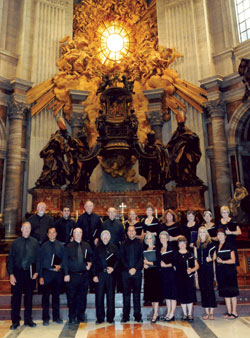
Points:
x=217, y=113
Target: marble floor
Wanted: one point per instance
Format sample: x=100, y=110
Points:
x=221, y=328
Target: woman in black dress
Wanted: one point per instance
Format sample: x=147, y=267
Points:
x=210, y=226
x=186, y=265
x=168, y=276
x=150, y=223
x=172, y=227
x=231, y=228
x=205, y=251
x=226, y=274
x=134, y=220
x=152, y=282
x=191, y=229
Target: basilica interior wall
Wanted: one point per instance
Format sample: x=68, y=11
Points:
x=205, y=32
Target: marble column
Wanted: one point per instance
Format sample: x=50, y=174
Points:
x=78, y=116
x=217, y=113
x=17, y=110
x=154, y=114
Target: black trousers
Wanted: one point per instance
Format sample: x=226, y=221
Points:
x=77, y=290
x=26, y=285
x=132, y=284
x=105, y=285
x=52, y=285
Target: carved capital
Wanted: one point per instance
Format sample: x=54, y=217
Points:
x=155, y=118
x=17, y=109
x=78, y=119
x=215, y=108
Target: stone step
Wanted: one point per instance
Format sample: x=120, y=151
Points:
x=243, y=306
x=243, y=310
x=243, y=298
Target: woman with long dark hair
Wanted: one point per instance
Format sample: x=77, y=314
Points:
x=186, y=265
x=226, y=274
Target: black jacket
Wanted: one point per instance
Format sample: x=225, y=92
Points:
x=70, y=259
x=125, y=254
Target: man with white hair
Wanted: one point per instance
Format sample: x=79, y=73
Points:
x=90, y=223
x=40, y=223
x=104, y=263
x=77, y=262
x=117, y=232
x=22, y=266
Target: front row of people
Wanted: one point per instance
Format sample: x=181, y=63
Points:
x=168, y=275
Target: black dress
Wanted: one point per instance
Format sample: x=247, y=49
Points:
x=206, y=275
x=184, y=282
x=191, y=233
x=168, y=277
x=212, y=232
x=173, y=230
x=152, y=227
x=227, y=276
x=231, y=239
x=152, y=283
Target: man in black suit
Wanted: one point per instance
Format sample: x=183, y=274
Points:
x=65, y=226
x=77, y=262
x=90, y=224
x=104, y=264
x=131, y=256
x=116, y=229
x=22, y=265
x=51, y=276
x=40, y=223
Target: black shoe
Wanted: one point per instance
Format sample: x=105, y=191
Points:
x=30, y=323
x=111, y=321
x=139, y=320
x=99, y=322
x=82, y=319
x=14, y=325
x=58, y=321
x=124, y=320
x=72, y=321
x=170, y=319
x=45, y=323
x=154, y=320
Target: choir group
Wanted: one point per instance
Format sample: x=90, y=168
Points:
x=173, y=257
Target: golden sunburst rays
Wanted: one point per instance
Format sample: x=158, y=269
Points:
x=115, y=42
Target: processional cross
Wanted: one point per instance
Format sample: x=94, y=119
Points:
x=122, y=207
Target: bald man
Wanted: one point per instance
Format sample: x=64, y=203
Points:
x=77, y=262
x=40, y=223
x=115, y=227
x=22, y=266
x=90, y=223
x=117, y=233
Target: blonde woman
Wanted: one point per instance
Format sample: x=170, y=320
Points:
x=205, y=252
x=168, y=276
x=232, y=229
